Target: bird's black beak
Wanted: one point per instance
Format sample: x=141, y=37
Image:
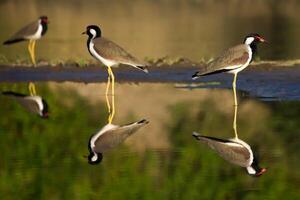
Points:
x=83, y=33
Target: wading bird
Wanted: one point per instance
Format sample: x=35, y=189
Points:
x=233, y=60
x=31, y=32
x=110, y=54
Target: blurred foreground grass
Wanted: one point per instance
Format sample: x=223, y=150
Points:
x=43, y=159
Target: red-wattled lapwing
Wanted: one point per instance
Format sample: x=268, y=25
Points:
x=110, y=54
x=31, y=32
x=234, y=151
x=33, y=104
x=233, y=60
x=110, y=136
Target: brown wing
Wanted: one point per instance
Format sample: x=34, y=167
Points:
x=26, y=31
x=116, y=136
x=29, y=104
x=111, y=51
x=232, y=152
x=229, y=59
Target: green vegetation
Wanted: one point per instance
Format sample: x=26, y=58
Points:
x=43, y=159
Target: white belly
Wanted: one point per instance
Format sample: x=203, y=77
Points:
x=106, y=62
x=37, y=35
x=238, y=69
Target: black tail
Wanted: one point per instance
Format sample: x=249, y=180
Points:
x=196, y=75
x=143, y=68
x=196, y=135
x=201, y=137
x=11, y=93
x=7, y=42
x=143, y=121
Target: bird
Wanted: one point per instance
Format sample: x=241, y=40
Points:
x=32, y=32
x=33, y=104
x=110, y=136
x=233, y=60
x=110, y=54
x=235, y=151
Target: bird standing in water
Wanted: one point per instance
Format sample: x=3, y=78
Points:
x=110, y=54
x=233, y=60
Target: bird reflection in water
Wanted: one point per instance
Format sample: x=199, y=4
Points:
x=110, y=135
x=32, y=103
x=235, y=150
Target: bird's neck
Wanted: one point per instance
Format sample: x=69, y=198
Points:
x=44, y=28
x=89, y=40
x=253, y=47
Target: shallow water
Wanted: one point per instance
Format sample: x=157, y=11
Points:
x=277, y=83
x=43, y=159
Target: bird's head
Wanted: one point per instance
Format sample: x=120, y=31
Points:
x=95, y=158
x=254, y=38
x=256, y=172
x=93, y=31
x=254, y=169
x=45, y=111
x=44, y=19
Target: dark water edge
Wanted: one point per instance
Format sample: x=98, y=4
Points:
x=265, y=82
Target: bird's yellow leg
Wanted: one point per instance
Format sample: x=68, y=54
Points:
x=106, y=93
x=31, y=85
x=33, y=52
x=234, y=122
x=30, y=49
x=234, y=89
x=113, y=95
x=32, y=90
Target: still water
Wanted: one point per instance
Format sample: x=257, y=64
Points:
x=45, y=158
x=152, y=29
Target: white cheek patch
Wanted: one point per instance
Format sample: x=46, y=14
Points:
x=251, y=170
x=93, y=32
x=249, y=40
x=95, y=157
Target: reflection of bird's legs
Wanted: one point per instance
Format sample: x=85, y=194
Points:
x=234, y=89
x=113, y=94
x=234, y=122
x=106, y=92
x=32, y=89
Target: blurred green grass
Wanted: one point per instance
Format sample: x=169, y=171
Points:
x=43, y=159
